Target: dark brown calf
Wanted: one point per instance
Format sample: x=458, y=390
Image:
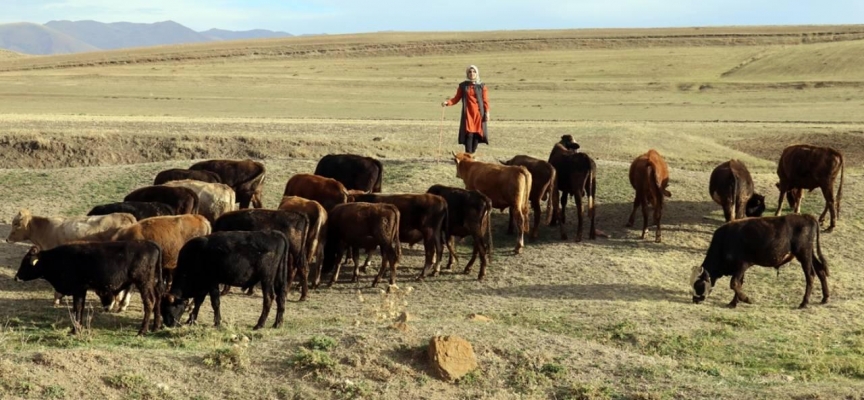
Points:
x=649, y=176
x=246, y=177
x=363, y=225
x=809, y=167
x=543, y=179
x=577, y=176
x=731, y=187
x=355, y=172
x=468, y=214
x=326, y=191
x=181, y=199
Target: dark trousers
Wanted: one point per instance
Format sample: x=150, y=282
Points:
x=471, y=142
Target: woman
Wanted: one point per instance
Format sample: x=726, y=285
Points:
x=475, y=113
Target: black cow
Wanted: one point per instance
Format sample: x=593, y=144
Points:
x=182, y=200
x=468, y=213
x=767, y=241
x=294, y=225
x=577, y=176
x=731, y=187
x=179, y=174
x=140, y=209
x=232, y=258
x=107, y=268
x=808, y=167
x=353, y=171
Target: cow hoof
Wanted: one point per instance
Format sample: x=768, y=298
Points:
x=802, y=306
x=830, y=229
x=732, y=305
x=518, y=250
x=658, y=240
x=303, y=298
x=480, y=278
x=824, y=300
x=256, y=327
x=420, y=278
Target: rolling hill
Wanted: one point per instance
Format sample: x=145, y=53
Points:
x=120, y=35
x=222, y=34
x=28, y=38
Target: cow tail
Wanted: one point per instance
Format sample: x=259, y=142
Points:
x=444, y=231
x=550, y=191
x=161, y=285
x=735, y=197
x=282, y=284
x=524, y=200
x=487, y=216
x=840, y=188
x=376, y=188
x=819, y=262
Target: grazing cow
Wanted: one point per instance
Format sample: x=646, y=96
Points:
x=422, y=217
x=731, y=187
x=316, y=233
x=107, y=268
x=49, y=232
x=231, y=258
x=649, y=176
x=294, y=225
x=353, y=171
x=140, y=209
x=179, y=174
x=543, y=180
x=170, y=233
x=326, y=191
x=577, y=176
x=507, y=186
x=214, y=199
x=767, y=241
x=808, y=167
x=182, y=200
x=468, y=214
x=362, y=225
x=246, y=177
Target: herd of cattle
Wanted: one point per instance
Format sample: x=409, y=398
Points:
x=183, y=238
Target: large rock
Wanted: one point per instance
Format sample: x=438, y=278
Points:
x=452, y=357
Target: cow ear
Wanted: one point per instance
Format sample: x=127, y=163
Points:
x=33, y=251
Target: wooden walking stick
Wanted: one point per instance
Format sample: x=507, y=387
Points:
x=440, y=135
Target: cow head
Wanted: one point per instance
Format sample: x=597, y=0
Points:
x=20, y=226
x=701, y=283
x=29, y=269
x=755, y=205
x=459, y=158
x=568, y=142
x=173, y=308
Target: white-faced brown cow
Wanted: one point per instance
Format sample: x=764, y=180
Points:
x=543, y=183
x=316, y=233
x=809, y=167
x=577, y=176
x=649, y=176
x=731, y=187
x=507, y=187
x=246, y=177
x=769, y=242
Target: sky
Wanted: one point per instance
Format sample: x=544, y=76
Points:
x=356, y=16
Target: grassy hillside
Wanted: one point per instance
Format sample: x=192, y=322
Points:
x=825, y=61
x=604, y=319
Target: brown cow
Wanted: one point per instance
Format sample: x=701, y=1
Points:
x=182, y=200
x=731, y=187
x=326, y=191
x=507, y=186
x=543, y=182
x=316, y=234
x=649, y=176
x=808, y=167
x=170, y=233
x=422, y=217
x=769, y=242
x=364, y=225
x=468, y=214
x=246, y=177
x=577, y=176
x=179, y=174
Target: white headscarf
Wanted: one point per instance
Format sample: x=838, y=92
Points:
x=476, y=76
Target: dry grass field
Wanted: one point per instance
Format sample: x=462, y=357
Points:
x=604, y=319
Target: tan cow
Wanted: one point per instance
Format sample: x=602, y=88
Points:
x=214, y=199
x=316, y=233
x=649, y=176
x=507, y=187
x=49, y=232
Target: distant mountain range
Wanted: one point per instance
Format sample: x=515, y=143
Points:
x=63, y=37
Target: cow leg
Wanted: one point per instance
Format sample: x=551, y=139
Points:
x=339, y=253
x=579, y=217
x=780, y=203
x=318, y=266
x=823, y=280
x=563, y=217
x=57, y=297
x=520, y=223
x=148, y=298
x=644, y=206
x=805, y=257
x=385, y=256
x=281, y=294
x=592, y=212
x=727, y=211
x=393, y=261
x=735, y=283
x=478, y=248
x=538, y=211
x=196, y=306
x=658, y=213
x=798, y=195
x=453, y=257
x=828, y=193
x=636, y=202
x=510, y=223
x=78, y=312
x=367, y=261
x=215, y=302
x=268, y=295
x=225, y=290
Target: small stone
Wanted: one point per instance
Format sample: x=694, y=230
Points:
x=452, y=357
x=478, y=317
